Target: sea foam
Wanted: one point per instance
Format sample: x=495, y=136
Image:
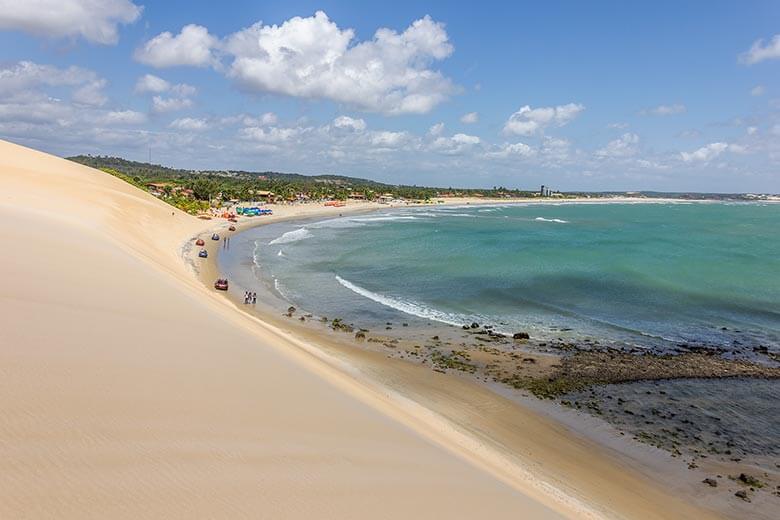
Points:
x=292, y=236
x=407, y=306
x=558, y=220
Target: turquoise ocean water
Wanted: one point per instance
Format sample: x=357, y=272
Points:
x=625, y=274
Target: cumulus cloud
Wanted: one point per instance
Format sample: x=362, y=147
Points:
x=26, y=75
x=759, y=52
x=189, y=124
x=313, y=58
x=457, y=144
x=470, y=118
x=705, y=153
x=529, y=121
x=347, y=122
x=193, y=46
x=386, y=139
x=758, y=90
x=151, y=83
x=272, y=135
x=171, y=104
x=623, y=146
x=507, y=150
x=94, y=20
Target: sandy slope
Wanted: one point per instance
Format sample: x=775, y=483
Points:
x=126, y=391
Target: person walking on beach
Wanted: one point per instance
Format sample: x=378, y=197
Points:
x=254, y=298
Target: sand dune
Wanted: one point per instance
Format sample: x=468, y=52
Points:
x=130, y=392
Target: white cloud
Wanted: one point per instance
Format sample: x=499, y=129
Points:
x=529, y=121
x=347, y=122
x=470, y=118
x=313, y=58
x=94, y=20
x=269, y=118
x=512, y=150
x=436, y=129
x=126, y=117
x=759, y=52
x=273, y=135
x=618, y=126
x=386, y=139
x=623, y=146
x=190, y=124
x=91, y=93
x=161, y=104
x=705, y=153
x=151, y=83
x=193, y=46
x=752, y=130
x=457, y=144
x=26, y=75
x=665, y=110
x=758, y=90
x=465, y=139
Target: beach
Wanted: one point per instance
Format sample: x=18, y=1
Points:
x=505, y=431
x=132, y=389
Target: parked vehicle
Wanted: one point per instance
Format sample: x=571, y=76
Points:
x=221, y=284
x=200, y=242
x=203, y=253
x=214, y=237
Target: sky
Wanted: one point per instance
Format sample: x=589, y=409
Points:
x=666, y=96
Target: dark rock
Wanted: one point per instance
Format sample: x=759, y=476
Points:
x=436, y=338
x=743, y=495
x=475, y=325
x=360, y=335
x=521, y=335
x=466, y=327
x=290, y=309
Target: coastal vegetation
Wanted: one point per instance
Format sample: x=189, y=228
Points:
x=178, y=185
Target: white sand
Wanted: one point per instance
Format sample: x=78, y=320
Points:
x=129, y=392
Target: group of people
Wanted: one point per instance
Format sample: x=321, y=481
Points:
x=250, y=297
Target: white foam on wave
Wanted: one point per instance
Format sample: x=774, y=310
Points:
x=281, y=289
x=406, y=306
x=385, y=218
x=292, y=236
x=280, y=253
x=335, y=223
x=558, y=220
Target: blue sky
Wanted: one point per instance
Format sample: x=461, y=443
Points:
x=602, y=96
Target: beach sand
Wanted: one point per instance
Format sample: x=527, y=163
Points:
x=132, y=390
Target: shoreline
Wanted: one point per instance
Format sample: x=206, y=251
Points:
x=375, y=370
x=132, y=390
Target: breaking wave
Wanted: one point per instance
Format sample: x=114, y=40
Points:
x=292, y=236
x=558, y=220
x=409, y=307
